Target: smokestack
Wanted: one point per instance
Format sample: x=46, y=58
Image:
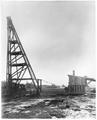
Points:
x=73, y=72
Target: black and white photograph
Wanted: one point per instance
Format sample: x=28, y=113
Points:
x=48, y=59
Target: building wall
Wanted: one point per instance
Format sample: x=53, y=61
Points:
x=76, y=89
x=76, y=85
x=76, y=80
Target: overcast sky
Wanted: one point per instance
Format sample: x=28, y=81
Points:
x=58, y=37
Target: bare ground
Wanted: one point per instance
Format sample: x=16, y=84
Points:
x=52, y=107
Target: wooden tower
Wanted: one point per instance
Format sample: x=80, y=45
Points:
x=17, y=61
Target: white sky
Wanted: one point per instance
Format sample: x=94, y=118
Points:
x=58, y=37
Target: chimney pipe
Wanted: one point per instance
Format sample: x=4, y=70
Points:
x=73, y=72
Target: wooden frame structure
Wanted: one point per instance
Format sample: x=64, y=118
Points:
x=17, y=61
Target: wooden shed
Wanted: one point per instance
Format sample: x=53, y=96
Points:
x=77, y=84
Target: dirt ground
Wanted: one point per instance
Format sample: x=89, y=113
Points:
x=52, y=107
